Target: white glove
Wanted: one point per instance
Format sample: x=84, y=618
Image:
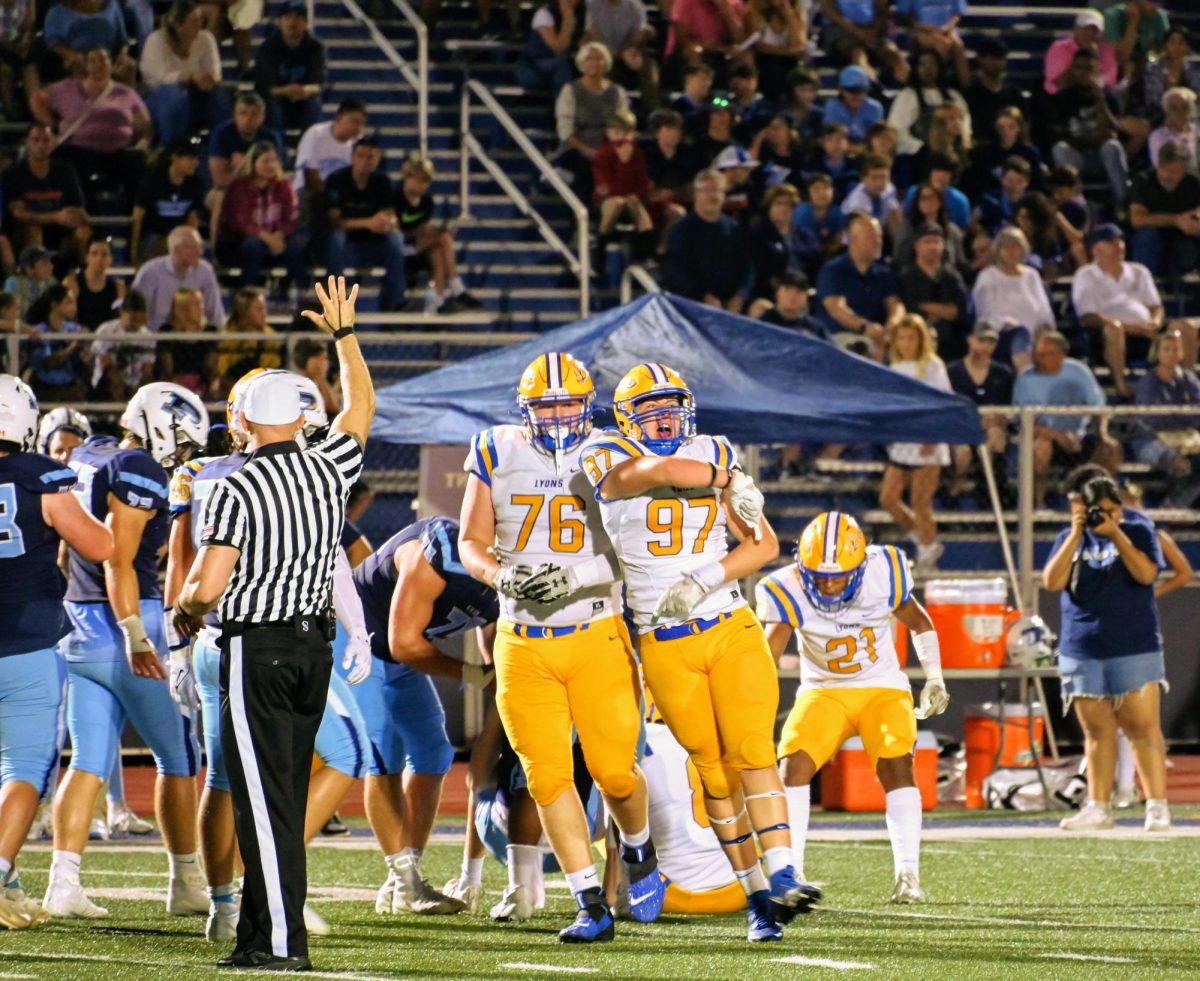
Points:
x=934, y=699
x=478, y=675
x=747, y=501
x=547, y=583
x=680, y=599
x=356, y=659
x=510, y=578
x=183, y=679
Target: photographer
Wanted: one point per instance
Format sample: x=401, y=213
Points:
x=1111, y=658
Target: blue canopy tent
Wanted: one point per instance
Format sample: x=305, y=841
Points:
x=753, y=382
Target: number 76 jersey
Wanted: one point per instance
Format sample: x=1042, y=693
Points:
x=542, y=515
x=852, y=648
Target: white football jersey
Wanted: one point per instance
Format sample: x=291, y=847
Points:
x=688, y=851
x=662, y=536
x=852, y=648
x=542, y=516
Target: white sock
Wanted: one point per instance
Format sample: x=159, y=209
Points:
x=222, y=894
x=1125, y=762
x=412, y=854
x=638, y=839
x=65, y=864
x=525, y=867
x=5, y=868
x=799, y=805
x=582, y=880
x=392, y=860
x=181, y=865
x=751, y=880
x=455, y=287
x=777, y=859
x=904, y=828
x=472, y=871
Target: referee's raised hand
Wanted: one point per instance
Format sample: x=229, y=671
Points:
x=337, y=309
x=337, y=317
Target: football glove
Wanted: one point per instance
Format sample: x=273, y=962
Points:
x=509, y=579
x=934, y=700
x=679, y=600
x=356, y=659
x=183, y=679
x=547, y=583
x=747, y=501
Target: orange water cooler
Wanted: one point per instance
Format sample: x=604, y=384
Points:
x=996, y=735
x=969, y=616
x=849, y=784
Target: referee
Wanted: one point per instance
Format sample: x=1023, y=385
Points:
x=270, y=533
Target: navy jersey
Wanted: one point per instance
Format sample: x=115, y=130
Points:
x=31, y=587
x=463, y=604
x=135, y=480
x=350, y=533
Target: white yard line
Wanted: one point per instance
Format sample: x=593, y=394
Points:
x=177, y=966
x=825, y=962
x=1008, y=920
x=1099, y=958
x=548, y=968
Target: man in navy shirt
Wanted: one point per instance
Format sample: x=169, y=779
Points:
x=857, y=293
x=289, y=70
x=229, y=142
x=35, y=511
x=708, y=258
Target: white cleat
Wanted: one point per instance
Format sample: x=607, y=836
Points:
x=122, y=823
x=1125, y=797
x=17, y=910
x=1093, y=816
x=315, y=923
x=221, y=927
x=908, y=889
x=457, y=888
x=515, y=904
x=1158, y=816
x=413, y=894
x=187, y=895
x=65, y=899
x=385, y=899
x=98, y=830
x=42, y=828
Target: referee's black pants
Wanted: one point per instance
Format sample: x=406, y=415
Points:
x=274, y=683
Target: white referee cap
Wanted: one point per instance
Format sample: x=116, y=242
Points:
x=272, y=399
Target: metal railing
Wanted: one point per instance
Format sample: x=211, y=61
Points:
x=644, y=280
x=418, y=78
x=579, y=261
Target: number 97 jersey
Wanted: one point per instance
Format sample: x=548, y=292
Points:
x=852, y=648
x=542, y=515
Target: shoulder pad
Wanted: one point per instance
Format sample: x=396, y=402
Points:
x=439, y=543
x=40, y=474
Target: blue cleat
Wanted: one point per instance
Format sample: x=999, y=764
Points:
x=593, y=924
x=790, y=896
x=759, y=913
x=647, y=887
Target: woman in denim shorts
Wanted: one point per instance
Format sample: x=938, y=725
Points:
x=1111, y=657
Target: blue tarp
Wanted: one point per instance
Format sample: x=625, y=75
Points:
x=753, y=382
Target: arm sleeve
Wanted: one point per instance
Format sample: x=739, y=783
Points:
x=346, y=602
x=210, y=55
x=345, y=453
x=289, y=206
x=1145, y=539
x=482, y=458
x=224, y=519
x=157, y=69
x=138, y=482
x=900, y=581
x=1081, y=296
x=316, y=65
x=266, y=68
x=601, y=455
x=774, y=604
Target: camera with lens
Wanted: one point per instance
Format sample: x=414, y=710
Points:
x=1095, y=516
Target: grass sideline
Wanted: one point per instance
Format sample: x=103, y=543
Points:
x=1031, y=905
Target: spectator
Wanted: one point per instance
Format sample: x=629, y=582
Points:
x=310, y=358
x=43, y=199
x=446, y=292
x=743, y=182
x=853, y=107
x=1170, y=443
x=1119, y=299
x=988, y=160
x=832, y=157
x=782, y=29
x=364, y=226
x=717, y=135
x=985, y=381
x=819, y=218
x=704, y=30
x=181, y=67
x=947, y=138
x=800, y=103
x=1085, y=36
x=17, y=23
x=75, y=27
x=259, y=219
x=582, y=111
x=927, y=207
x=882, y=141
x=790, y=309
x=171, y=195
x=97, y=121
x=326, y=147
x=858, y=293
x=123, y=364
x=1010, y=295
x=778, y=148
x=621, y=182
x=941, y=179
x=192, y=364
x=289, y=71
x=990, y=92
x=707, y=258
x=751, y=107
x=935, y=28
x=1086, y=125
x=1173, y=70
x=230, y=140
x=692, y=102
x=248, y=316
x=875, y=195
x=1066, y=191
x=856, y=31
x=774, y=248
x=1063, y=441
x=671, y=168
x=34, y=275
x=1055, y=245
x=1178, y=127
x=184, y=266
x=97, y=294
x=912, y=109
x=621, y=26
x=57, y=368
x=555, y=31
x=915, y=467
x=1164, y=213
x=1137, y=30
x=932, y=288
x=998, y=210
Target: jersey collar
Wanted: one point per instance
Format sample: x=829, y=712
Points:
x=276, y=449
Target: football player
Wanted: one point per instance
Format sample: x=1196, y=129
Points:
x=116, y=652
x=341, y=745
x=668, y=495
x=35, y=512
x=839, y=596
x=566, y=662
x=413, y=592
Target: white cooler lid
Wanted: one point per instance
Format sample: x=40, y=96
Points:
x=925, y=740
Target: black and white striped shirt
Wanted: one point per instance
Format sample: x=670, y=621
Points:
x=283, y=511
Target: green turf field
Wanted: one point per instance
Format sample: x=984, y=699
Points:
x=1008, y=899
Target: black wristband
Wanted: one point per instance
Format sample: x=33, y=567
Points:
x=342, y=332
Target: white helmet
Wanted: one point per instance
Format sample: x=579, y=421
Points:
x=61, y=418
x=18, y=412
x=1030, y=643
x=316, y=419
x=170, y=420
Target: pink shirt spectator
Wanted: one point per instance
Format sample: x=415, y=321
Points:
x=1061, y=53
x=108, y=127
x=704, y=21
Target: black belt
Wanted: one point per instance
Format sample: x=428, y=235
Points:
x=305, y=625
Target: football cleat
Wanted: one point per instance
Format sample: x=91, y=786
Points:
x=187, y=894
x=790, y=896
x=662, y=428
x=832, y=557
x=1158, y=816
x=412, y=893
x=761, y=917
x=385, y=899
x=17, y=910
x=334, y=827
x=457, y=888
x=1093, y=816
x=908, y=889
x=65, y=899
x=592, y=925
x=1125, y=797
x=222, y=922
x=647, y=887
x=122, y=823
x=555, y=396
x=516, y=904
x=315, y=923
